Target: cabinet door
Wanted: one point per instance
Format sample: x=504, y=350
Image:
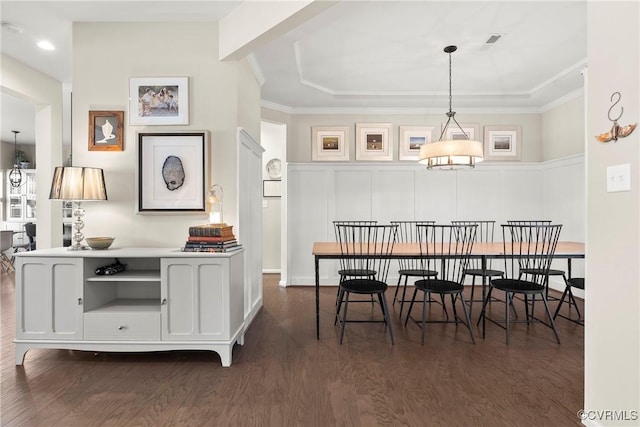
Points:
x=49, y=298
x=195, y=299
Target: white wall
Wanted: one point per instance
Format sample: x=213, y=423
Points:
x=273, y=139
x=322, y=193
x=563, y=130
x=223, y=96
x=612, y=330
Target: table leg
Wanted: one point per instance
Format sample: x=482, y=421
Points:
x=569, y=268
x=317, y=297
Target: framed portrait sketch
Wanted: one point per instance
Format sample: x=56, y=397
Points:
x=106, y=130
x=502, y=142
x=171, y=172
x=472, y=131
x=411, y=139
x=329, y=143
x=373, y=141
x=159, y=101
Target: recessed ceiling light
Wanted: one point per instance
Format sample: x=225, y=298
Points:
x=46, y=45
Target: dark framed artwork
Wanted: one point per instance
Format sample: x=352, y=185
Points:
x=106, y=130
x=171, y=172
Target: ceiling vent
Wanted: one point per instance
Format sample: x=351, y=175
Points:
x=12, y=28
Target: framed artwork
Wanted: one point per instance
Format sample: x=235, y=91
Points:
x=271, y=188
x=106, y=130
x=373, y=141
x=502, y=142
x=171, y=172
x=329, y=143
x=411, y=139
x=472, y=131
x=159, y=101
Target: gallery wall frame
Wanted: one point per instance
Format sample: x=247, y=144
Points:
x=171, y=172
x=502, y=143
x=159, y=101
x=411, y=139
x=106, y=130
x=329, y=143
x=472, y=131
x=271, y=188
x=374, y=141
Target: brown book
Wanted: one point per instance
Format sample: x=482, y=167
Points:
x=211, y=230
x=211, y=239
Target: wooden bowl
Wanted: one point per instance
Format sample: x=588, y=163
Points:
x=99, y=243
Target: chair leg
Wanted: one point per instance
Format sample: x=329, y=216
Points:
x=395, y=294
x=553, y=324
x=467, y=315
x=455, y=312
x=483, y=313
x=404, y=295
x=387, y=320
x=507, y=300
x=410, y=307
x=344, y=317
x=564, y=294
x=424, y=314
x=572, y=298
x=473, y=288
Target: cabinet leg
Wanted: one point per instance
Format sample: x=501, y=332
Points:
x=20, y=350
x=240, y=339
x=225, y=356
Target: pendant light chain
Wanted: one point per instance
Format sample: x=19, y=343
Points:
x=450, y=97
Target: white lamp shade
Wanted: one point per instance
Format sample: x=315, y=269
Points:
x=78, y=183
x=451, y=154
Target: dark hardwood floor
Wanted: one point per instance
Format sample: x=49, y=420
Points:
x=283, y=376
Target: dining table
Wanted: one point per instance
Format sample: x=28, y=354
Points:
x=484, y=251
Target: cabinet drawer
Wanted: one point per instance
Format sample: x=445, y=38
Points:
x=100, y=326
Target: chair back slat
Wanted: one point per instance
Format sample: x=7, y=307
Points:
x=446, y=249
x=484, y=234
x=366, y=247
x=529, y=247
x=408, y=233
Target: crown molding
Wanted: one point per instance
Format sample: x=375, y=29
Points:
x=255, y=67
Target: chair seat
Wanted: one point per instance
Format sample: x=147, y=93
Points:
x=538, y=271
x=439, y=286
x=576, y=282
x=518, y=286
x=479, y=272
x=363, y=286
x=417, y=272
x=357, y=272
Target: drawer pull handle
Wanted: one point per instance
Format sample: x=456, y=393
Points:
x=122, y=328
x=164, y=301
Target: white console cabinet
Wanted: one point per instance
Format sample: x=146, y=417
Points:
x=164, y=300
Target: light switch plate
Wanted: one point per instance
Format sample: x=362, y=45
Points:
x=619, y=178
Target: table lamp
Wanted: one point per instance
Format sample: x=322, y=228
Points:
x=77, y=184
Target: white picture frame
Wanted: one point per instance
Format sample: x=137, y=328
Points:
x=502, y=143
x=159, y=101
x=329, y=143
x=472, y=130
x=411, y=139
x=374, y=142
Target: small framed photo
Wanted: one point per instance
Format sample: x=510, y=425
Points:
x=159, y=101
x=106, y=130
x=469, y=131
x=502, y=142
x=411, y=139
x=373, y=141
x=271, y=188
x=329, y=143
x=171, y=172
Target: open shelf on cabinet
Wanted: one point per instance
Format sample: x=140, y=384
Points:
x=129, y=276
x=128, y=306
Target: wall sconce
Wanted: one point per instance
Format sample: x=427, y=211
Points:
x=77, y=184
x=215, y=204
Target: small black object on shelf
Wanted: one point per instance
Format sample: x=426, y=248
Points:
x=111, y=269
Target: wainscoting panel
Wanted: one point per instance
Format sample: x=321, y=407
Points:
x=321, y=193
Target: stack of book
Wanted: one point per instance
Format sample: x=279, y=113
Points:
x=211, y=238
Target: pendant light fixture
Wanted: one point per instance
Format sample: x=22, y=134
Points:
x=15, y=176
x=451, y=153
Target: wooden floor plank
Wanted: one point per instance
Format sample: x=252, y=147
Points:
x=283, y=376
